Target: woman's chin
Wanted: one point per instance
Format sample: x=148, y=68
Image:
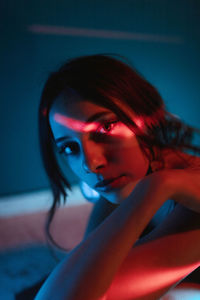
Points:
x=118, y=196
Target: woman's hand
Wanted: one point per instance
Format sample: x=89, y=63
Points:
x=183, y=186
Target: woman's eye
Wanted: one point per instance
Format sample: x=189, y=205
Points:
x=70, y=149
x=107, y=127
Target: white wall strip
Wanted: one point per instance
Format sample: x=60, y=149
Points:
x=106, y=34
x=35, y=201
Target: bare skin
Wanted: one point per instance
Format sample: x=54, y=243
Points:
x=180, y=220
x=95, y=268
x=98, y=150
x=105, y=265
x=109, y=257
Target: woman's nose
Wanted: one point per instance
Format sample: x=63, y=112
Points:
x=93, y=157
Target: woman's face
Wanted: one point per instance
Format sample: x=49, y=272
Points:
x=100, y=150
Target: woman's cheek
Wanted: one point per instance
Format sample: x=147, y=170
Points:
x=76, y=166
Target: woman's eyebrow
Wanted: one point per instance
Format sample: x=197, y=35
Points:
x=89, y=121
x=97, y=116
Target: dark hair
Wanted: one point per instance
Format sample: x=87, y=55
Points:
x=100, y=78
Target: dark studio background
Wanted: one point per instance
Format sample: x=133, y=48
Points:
x=160, y=37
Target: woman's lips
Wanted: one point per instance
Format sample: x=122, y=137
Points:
x=113, y=183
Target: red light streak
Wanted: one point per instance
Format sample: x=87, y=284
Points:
x=69, y=122
x=80, y=126
x=145, y=282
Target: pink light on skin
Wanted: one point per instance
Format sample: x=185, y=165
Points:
x=119, y=130
x=154, y=267
x=122, y=130
x=90, y=127
x=146, y=282
x=69, y=122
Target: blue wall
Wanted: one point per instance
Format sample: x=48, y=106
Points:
x=164, y=46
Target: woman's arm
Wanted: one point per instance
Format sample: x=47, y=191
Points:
x=185, y=185
x=88, y=271
x=154, y=265
x=101, y=210
x=151, y=269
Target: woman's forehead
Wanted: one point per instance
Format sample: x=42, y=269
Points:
x=73, y=104
x=74, y=115
x=76, y=108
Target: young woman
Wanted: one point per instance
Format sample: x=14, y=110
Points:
x=115, y=134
